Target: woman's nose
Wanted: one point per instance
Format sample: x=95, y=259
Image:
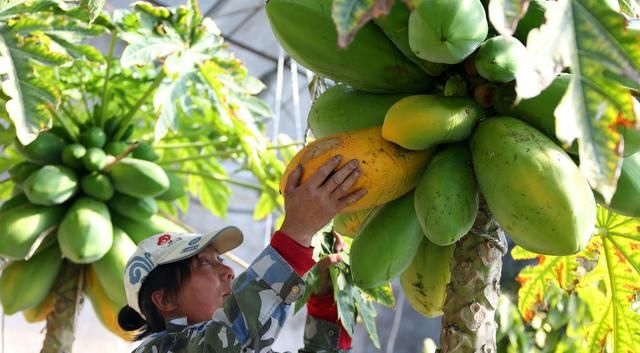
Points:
x=228, y=274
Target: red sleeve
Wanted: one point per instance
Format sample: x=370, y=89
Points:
x=323, y=307
x=298, y=256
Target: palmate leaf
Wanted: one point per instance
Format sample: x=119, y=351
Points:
x=350, y=15
x=93, y=6
x=37, y=33
x=592, y=40
x=535, y=280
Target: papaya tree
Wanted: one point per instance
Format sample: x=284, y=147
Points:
x=103, y=151
x=527, y=112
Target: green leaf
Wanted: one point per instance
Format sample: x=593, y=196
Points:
x=146, y=50
x=350, y=15
x=344, y=293
x=382, y=294
x=93, y=6
x=266, y=204
x=367, y=311
x=165, y=100
x=592, y=40
x=505, y=14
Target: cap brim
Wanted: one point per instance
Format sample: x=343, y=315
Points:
x=225, y=239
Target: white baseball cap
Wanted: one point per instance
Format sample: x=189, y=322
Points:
x=170, y=247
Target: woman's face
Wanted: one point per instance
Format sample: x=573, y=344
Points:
x=207, y=288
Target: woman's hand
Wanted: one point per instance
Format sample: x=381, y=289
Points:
x=311, y=205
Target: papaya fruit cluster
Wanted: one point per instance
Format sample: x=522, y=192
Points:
x=88, y=200
x=425, y=100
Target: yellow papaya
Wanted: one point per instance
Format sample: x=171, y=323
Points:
x=423, y=121
x=348, y=224
x=105, y=309
x=388, y=171
x=424, y=282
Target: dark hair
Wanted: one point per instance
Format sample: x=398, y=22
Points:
x=168, y=277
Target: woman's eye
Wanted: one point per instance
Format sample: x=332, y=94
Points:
x=220, y=259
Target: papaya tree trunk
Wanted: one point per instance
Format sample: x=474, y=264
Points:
x=61, y=321
x=468, y=323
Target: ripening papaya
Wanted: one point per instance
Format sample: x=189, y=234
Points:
x=424, y=282
x=342, y=108
x=444, y=31
x=23, y=226
x=388, y=171
x=446, y=198
x=40, y=311
x=348, y=224
x=626, y=199
x=45, y=149
x=371, y=63
x=110, y=268
x=51, y=185
x=394, y=25
x=85, y=233
x=25, y=284
x=139, y=178
x=105, y=309
x=386, y=243
x=140, y=230
x=533, y=188
x=498, y=58
x=423, y=121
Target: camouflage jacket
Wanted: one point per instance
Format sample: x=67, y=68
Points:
x=251, y=318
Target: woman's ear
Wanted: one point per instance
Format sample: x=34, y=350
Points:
x=165, y=303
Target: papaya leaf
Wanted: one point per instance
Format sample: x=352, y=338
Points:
x=505, y=14
x=266, y=205
x=592, y=39
x=350, y=15
x=367, y=311
x=382, y=294
x=345, y=294
x=93, y=6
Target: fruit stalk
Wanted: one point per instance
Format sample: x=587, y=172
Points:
x=61, y=321
x=468, y=324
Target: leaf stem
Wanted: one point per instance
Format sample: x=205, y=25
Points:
x=129, y=116
x=223, y=154
x=125, y=153
x=66, y=125
x=105, y=88
x=86, y=102
x=189, y=144
x=217, y=178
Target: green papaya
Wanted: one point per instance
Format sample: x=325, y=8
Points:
x=93, y=137
x=139, y=178
x=110, y=268
x=16, y=200
x=140, y=230
x=97, y=186
x=51, y=185
x=116, y=148
x=342, y=108
x=175, y=190
x=394, y=25
x=370, y=63
x=444, y=31
x=85, y=233
x=422, y=121
x=22, y=228
x=95, y=159
x=533, y=18
x=626, y=199
x=533, y=188
x=21, y=171
x=72, y=155
x=386, y=243
x=348, y=224
x=25, y=284
x=145, y=151
x=137, y=209
x=446, y=198
x=424, y=282
x=45, y=149
x=498, y=58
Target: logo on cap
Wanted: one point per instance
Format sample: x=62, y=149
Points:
x=163, y=239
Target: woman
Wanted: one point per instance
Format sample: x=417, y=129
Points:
x=185, y=299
